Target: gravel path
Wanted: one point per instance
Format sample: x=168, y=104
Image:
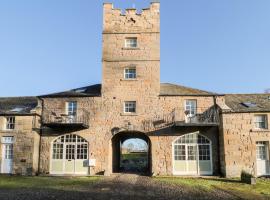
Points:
x=116, y=187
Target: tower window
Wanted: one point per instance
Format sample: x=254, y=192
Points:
x=130, y=107
x=131, y=42
x=130, y=73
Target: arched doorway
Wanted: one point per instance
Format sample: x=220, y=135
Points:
x=69, y=155
x=192, y=155
x=131, y=153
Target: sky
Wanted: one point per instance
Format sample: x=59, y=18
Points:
x=216, y=45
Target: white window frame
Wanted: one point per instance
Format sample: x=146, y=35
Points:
x=10, y=123
x=262, y=151
x=257, y=121
x=129, y=75
x=71, y=108
x=127, y=106
x=131, y=42
x=188, y=107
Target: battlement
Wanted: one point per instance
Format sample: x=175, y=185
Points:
x=108, y=7
x=130, y=19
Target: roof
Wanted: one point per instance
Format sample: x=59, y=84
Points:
x=17, y=105
x=248, y=102
x=88, y=91
x=168, y=89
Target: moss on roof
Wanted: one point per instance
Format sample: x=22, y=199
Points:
x=240, y=102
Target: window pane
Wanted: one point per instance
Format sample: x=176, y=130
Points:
x=130, y=106
x=131, y=42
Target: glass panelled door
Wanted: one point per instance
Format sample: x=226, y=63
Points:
x=70, y=159
x=262, y=154
x=192, y=159
x=192, y=155
x=69, y=155
x=7, y=155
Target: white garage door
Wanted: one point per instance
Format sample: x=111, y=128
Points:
x=192, y=155
x=69, y=155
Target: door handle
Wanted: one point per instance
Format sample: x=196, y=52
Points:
x=69, y=160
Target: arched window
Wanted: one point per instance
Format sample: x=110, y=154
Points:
x=192, y=154
x=76, y=147
x=69, y=155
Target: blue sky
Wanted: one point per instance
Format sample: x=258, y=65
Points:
x=49, y=46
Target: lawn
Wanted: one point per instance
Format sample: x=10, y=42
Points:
x=64, y=183
x=233, y=186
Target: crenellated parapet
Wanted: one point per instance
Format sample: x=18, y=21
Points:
x=130, y=20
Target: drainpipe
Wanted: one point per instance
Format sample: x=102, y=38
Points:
x=41, y=130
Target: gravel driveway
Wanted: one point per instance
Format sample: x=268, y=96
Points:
x=117, y=187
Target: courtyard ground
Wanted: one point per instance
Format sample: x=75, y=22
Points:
x=128, y=187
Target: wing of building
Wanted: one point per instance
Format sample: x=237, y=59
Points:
x=187, y=131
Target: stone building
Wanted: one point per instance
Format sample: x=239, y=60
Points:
x=188, y=131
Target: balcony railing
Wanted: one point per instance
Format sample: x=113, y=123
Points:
x=59, y=118
x=202, y=116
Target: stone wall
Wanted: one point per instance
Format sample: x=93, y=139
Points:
x=26, y=144
x=238, y=139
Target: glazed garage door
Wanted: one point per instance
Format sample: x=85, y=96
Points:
x=192, y=155
x=69, y=155
x=262, y=153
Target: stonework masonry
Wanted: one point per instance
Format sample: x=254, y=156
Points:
x=162, y=118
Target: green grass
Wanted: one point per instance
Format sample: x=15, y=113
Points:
x=16, y=182
x=259, y=191
x=129, y=156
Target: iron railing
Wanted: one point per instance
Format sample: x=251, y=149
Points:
x=201, y=116
x=60, y=117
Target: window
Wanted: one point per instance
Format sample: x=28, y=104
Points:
x=130, y=73
x=191, y=107
x=131, y=42
x=261, y=150
x=130, y=107
x=191, y=146
x=10, y=123
x=72, y=108
x=179, y=152
x=8, y=151
x=260, y=121
x=70, y=147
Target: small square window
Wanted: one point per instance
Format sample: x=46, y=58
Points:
x=260, y=122
x=130, y=73
x=130, y=107
x=10, y=123
x=131, y=42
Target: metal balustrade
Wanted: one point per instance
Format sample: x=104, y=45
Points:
x=59, y=118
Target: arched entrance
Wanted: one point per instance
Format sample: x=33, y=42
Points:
x=131, y=153
x=192, y=155
x=69, y=155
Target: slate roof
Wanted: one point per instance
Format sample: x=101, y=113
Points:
x=17, y=105
x=248, y=102
x=168, y=89
x=88, y=91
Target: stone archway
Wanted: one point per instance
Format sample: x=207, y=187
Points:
x=117, y=142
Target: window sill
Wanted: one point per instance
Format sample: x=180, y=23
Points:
x=130, y=48
x=131, y=79
x=129, y=114
x=260, y=130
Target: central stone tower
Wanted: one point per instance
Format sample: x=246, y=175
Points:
x=131, y=57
